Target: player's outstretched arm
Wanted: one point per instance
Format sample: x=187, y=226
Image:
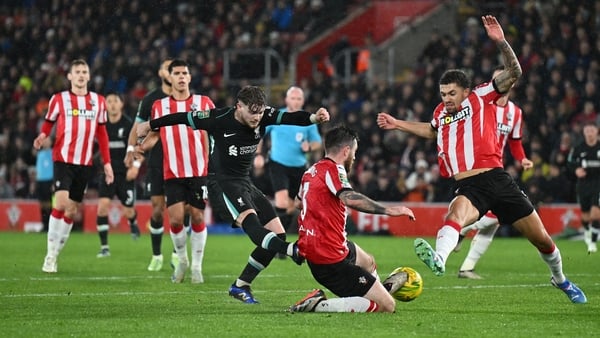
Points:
x=360, y=202
x=422, y=129
x=512, y=69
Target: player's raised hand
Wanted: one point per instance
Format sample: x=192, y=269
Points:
x=322, y=115
x=386, y=121
x=493, y=28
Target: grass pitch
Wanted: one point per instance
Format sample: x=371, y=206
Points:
x=117, y=296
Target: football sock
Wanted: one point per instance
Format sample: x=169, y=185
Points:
x=156, y=233
x=132, y=221
x=102, y=227
x=55, y=226
x=479, y=245
x=595, y=230
x=482, y=223
x=179, y=238
x=284, y=217
x=198, y=242
x=554, y=261
x=261, y=236
x=446, y=240
x=67, y=225
x=258, y=260
x=346, y=304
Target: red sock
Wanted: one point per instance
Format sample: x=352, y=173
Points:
x=453, y=224
x=58, y=214
x=198, y=227
x=175, y=229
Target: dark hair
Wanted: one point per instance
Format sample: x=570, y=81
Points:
x=177, y=63
x=115, y=94
x=338, y=137
x=457, y=77
x=77, y=62
x=252, y=96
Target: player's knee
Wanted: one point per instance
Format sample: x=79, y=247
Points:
x=388, y=304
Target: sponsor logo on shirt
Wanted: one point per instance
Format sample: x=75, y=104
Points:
x=463, y=114
x=87, y=114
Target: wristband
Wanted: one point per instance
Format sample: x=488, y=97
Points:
x=137, y=164
x=130, y=148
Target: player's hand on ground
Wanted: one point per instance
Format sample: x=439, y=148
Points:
x=493, y=28
x=143, y=129
x=108, y=173
x=400, y=211
x=386, y=121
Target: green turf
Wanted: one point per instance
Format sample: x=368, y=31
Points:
x=116, y=296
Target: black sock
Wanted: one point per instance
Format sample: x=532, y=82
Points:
x=258, y=234
x=258, y=261
x=102, y=221
x=133, y=221
x=586, y=225
x=156, y=234
x=284, y=217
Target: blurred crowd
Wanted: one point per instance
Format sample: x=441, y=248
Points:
x=556, y=42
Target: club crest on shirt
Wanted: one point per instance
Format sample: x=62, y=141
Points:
x=463, y=114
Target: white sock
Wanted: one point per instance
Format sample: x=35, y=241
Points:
x=479, y=245
x=554, y=261
x=55, y=226
x=481, y=223
x=347, y=304
x=180, y=243
x=198, y=242
x=65, y=233
x=447, y=237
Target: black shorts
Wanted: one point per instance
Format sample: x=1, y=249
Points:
x=190, y=190
x=588, y=196
x=344, y=279
x=73, y=178
x=285, y=178
x=155, y=181
x=495, y=190
x=44, y=190
x=121, y=187
x=230, y=196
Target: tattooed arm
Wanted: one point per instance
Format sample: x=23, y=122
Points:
x=512, y=69
x=360, y=202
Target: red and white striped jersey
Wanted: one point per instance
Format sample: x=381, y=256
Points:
x=185, y=151
x=468, y=139
x=76, y=118
x=510, y=120
x=322, y=220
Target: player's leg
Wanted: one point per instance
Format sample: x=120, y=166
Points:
x=198, y=235
x=533, y=229
x=586, y=202
x=358, y=289
x=487, y=227
x=594, y=226
x=461, y=211
x=102, y=224
x=155, y=187
x=176, y=195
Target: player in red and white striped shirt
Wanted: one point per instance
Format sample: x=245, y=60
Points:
x=335, y=262
x=185, y=166
x=468, y=150
x=80, y=117
x=509, y=118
